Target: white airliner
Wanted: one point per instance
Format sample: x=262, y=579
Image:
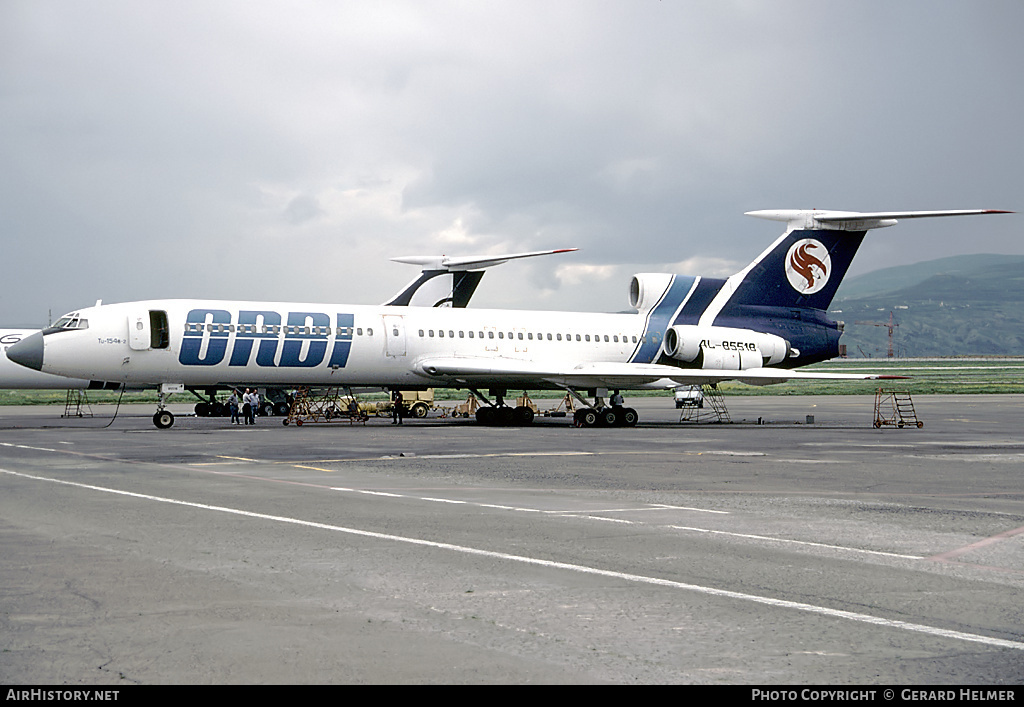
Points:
x=755, y=327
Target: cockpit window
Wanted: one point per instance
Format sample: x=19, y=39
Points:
x=68, y=322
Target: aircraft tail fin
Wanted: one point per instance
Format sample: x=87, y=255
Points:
x=804, y=266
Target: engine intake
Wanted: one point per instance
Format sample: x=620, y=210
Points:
x=646, y=289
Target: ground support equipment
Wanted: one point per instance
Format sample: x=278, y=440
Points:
x=895, y=408
x=77, y=404
x=713, y=410
x=333, y=404
x=562, y=409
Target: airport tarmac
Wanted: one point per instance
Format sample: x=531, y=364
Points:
x=443, y=552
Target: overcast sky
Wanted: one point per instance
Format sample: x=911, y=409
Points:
x=287, y=150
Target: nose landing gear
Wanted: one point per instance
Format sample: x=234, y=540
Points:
x=164, y=418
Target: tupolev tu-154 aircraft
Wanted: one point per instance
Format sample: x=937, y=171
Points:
x=756, y=326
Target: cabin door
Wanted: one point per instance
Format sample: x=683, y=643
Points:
x=394, y=335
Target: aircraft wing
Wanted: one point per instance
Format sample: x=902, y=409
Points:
x=519, y=373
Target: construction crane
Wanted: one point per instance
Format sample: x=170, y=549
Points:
x=890, y=325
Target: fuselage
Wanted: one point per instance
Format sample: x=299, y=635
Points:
x=273, y=343
x=221, y=343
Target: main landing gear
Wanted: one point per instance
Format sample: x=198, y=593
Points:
x=498, y=414
x=606, y=417
x=601, y=415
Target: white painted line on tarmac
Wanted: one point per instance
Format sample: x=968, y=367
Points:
x=796, y=542
x=732, y=453
x=606, y=520
x=25, y=446
x=688, y=508
x=510, y=508
x=567, y=566
x=523, y=509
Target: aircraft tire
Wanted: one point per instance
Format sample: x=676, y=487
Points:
x=485, y=416
x=587, y=417
x=202, y=410
x=523, y=415
x=281, y=409
x=628, y=417
x=505, y=416
x=608, y=417
x=163, y=419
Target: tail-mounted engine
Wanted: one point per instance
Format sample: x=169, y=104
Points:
x=646, y=290
x=724, y=348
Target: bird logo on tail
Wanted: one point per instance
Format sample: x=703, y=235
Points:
x=808, y=266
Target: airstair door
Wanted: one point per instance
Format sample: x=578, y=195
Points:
x=394, y=335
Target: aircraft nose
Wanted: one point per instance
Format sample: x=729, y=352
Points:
x=28, y=352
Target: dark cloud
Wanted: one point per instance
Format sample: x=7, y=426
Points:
x=148, y=149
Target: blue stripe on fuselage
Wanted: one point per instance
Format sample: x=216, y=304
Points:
x=698, y=301
x=658, y=320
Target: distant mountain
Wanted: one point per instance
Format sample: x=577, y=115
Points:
x=896, y=278
x=947, y=307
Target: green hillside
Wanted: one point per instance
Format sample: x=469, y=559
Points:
x=948, y=307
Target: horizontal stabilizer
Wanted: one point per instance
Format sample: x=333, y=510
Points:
x=854, y=220
x=447, y=281
x=470, y=262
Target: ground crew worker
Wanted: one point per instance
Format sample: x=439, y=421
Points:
x=397, y=411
